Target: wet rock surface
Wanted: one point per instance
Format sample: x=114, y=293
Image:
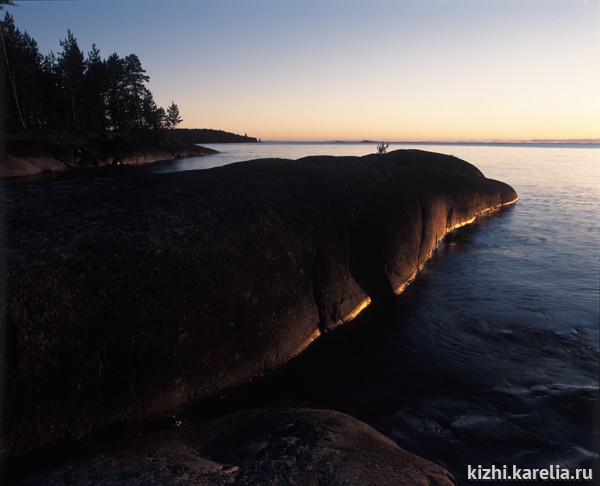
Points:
x=128, y=297
x=262, y=446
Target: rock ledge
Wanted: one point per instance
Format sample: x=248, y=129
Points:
x=128, y=297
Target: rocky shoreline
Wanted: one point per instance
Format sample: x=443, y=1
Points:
x=269, y=446
x=26, y=155
x=133, y=296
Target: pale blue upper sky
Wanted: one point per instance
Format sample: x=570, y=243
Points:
x=352, y=69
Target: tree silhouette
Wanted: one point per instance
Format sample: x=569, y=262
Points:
x=153, y=116
x=7, y=27
x=70, y=91
x=173, y=119
x=134, y=92
x=93, y=82
x=382, y=148
x=71, y=73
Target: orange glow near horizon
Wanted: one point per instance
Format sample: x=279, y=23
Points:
x=399, y=111
x=418, y=129
x=321, y=70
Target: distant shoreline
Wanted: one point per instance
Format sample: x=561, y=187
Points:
x=48, y=151
x=36, y=153
x=459, y=143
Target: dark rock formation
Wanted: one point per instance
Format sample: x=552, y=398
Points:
x=33, y=154
x=265, y=446
x=131, y=296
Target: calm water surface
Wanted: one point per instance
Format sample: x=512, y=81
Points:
x=491, y=356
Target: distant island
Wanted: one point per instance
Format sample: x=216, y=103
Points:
x=208, y=135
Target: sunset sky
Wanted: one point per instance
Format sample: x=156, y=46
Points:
x=353, y=69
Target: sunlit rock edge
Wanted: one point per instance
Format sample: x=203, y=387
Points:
x=133, y=296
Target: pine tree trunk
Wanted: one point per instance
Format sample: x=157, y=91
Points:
x=11, y=76
x=73, y=108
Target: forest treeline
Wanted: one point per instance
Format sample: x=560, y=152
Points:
x=73, y=91
x=207, y=135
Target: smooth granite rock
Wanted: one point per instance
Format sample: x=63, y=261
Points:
x=263, y=446
x=27, y=155
x=128, y=297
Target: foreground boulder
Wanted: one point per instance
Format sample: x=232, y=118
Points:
x=264, y=446
x=132, y=296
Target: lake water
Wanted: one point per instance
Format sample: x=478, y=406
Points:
x=491, y=356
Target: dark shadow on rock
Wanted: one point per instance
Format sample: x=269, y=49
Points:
x=134, y=296
x=261, y=446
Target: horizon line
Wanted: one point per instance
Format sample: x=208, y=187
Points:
x=438, y=141
x=572, y=141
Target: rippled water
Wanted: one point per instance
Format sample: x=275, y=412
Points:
x=491, y=355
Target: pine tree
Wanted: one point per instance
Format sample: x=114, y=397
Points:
x=50, y=98
x=134, y=91
x=71, y=72
x=173, y=119
x=94, y=87
x=115, y=73
x=153, y=116
x=70, y=91
x=10, y=39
